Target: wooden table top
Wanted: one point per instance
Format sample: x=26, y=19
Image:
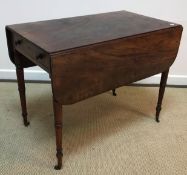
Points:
x=62, y=34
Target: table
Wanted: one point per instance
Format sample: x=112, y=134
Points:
x=88, y=55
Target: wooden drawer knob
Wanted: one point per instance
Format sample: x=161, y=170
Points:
x=18, y=42
x=40, y=56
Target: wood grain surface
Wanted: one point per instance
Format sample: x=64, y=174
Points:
x=88, y=71
x=62, y=34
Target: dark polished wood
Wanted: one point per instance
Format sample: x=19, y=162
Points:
x=88, y=55
x=34, y=53
x=163, y=82
x=80, y=31
x=58, y=129
x=21, y=88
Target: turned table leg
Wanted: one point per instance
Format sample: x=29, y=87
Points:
x=58, y=129
x=21, y=88
x=163, y=82
x=114, y=92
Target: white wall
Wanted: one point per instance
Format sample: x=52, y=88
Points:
x=26, y=11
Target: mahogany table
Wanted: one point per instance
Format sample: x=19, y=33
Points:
x=89, y=55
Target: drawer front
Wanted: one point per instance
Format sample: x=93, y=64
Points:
x=32, y=52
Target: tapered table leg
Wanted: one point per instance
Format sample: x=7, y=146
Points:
x=58, y=129
x=163, y=82
x=21, y=88
x=114, y=92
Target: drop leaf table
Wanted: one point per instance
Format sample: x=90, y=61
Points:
x=88, y=55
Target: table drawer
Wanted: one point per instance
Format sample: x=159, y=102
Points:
x=32, y=52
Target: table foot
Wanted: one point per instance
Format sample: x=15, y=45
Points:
x=161, y=93
x=26, y=123
x=157, y=120
x=114, y=92
x=59, y=156
x=158, y=109
x=57, y=167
